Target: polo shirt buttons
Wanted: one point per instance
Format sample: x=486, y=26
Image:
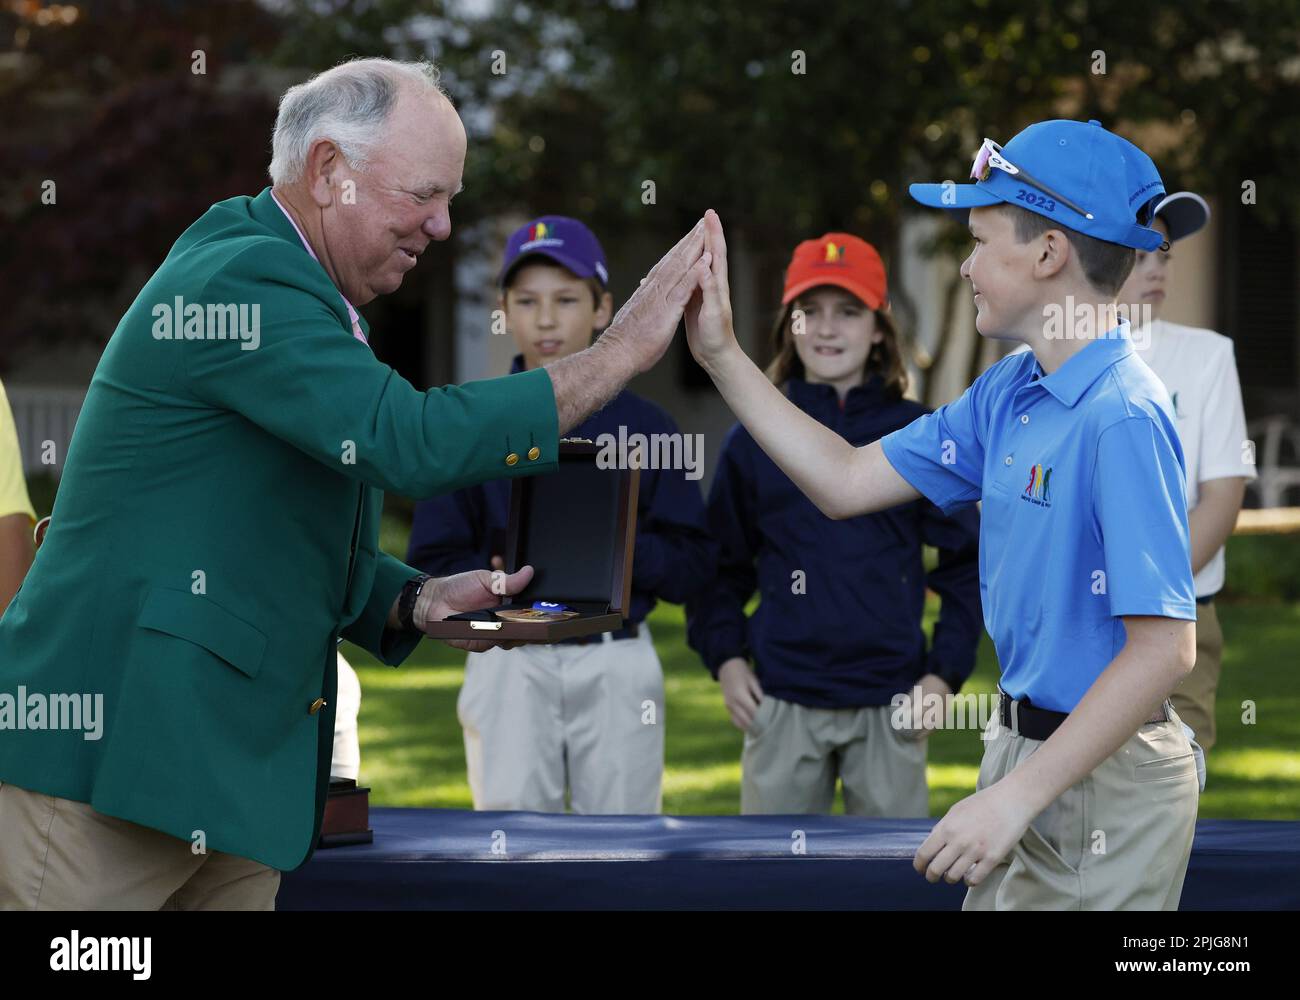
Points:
x=1007, y=460
x=512, y=458
x=1024, y=418
x=534, y=453
x=315, y=706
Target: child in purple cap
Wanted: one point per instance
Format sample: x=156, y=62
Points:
x=582, y=720
x=1088, y=791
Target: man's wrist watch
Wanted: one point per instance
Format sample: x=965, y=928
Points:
x=406, y=601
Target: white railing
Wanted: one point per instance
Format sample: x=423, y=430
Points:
x=41, y=414
x=1277, y=452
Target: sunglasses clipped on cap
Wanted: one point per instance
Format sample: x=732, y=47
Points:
x=990, y=156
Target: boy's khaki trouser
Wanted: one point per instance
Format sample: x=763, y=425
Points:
x=793, y=755
x=1120, y=839
x=1194, y=698
x=537, y=718
x=57, y=854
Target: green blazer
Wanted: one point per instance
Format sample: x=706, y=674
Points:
x=216, y=531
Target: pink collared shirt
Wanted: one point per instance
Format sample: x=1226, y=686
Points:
x=352, y=313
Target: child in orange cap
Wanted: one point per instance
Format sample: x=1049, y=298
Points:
x=836, y=643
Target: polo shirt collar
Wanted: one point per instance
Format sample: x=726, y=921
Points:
x=1074, y=378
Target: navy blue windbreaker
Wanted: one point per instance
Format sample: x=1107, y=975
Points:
x=854, y=637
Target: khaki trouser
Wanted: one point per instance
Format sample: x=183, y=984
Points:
x=1120, y=839
x=56, y=854
x=590, y=716
x=1194, y=698
x=794, y=754
x=347, y=702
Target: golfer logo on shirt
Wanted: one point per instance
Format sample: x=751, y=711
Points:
x=1038, y=489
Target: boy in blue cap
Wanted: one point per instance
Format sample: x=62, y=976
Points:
x=1088, y=791
x=583, y=715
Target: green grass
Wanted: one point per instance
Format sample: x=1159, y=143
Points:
x=412, y=753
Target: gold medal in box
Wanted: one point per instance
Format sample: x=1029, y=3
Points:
x=540, y=612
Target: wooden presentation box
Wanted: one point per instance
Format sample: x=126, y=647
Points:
x=577, y=528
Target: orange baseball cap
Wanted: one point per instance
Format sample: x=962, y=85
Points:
x=839, y=259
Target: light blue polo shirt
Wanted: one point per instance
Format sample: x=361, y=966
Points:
x=1085, y=510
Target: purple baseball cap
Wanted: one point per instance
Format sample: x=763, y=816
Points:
x=557, y=237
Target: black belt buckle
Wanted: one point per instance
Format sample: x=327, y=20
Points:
x=1025, y=719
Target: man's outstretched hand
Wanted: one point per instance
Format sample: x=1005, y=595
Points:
x=644, y=327
x=471, y=591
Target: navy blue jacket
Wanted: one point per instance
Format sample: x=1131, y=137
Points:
x=853, y=638
x=673, y=556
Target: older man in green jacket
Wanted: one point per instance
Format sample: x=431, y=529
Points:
x=167, y=670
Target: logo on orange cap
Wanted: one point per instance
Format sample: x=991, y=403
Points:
x=839, y=259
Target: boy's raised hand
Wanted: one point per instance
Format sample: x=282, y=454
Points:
x=708, y=313
x=646, y=323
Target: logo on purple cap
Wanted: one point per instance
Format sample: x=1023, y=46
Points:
x=566, y=241
x=539, y=235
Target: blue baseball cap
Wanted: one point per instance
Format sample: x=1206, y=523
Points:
x=1075, y=173
x=557, y=237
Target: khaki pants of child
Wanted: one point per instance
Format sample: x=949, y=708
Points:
x=347, y=748
x=1194, y=698
x=1120, y=839
x=56, y=854
x=590, y=716
x=794, y=754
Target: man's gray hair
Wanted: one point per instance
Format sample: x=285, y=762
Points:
x=348, y=105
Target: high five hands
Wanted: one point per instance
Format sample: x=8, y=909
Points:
x=708, y=311
x=690, y=279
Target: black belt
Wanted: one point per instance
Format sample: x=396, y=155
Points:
x=1205, y=600
x=1035, y=723
x=626, y=632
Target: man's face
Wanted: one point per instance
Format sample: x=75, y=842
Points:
x=1001, y=273
x=551, y=313
x=1146, y=284
x=401, y=200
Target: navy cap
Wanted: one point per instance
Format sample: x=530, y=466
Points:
x=1184, y=212
x=1103, y=174
x=557, y=237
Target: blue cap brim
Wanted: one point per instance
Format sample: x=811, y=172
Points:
x=958, y=198
x=571, y=264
